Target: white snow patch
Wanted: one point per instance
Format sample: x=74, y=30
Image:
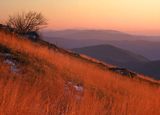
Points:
x=12, y=64
x=9, y=62
x=6, y=54
x=79, y=88
x=76, y=89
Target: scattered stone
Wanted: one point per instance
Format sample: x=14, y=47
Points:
x=123, y=71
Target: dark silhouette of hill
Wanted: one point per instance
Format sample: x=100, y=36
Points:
x=152, y=69
x=122, y=58
x=114, y=55
x=148, y=49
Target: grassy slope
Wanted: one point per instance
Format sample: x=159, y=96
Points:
x=40, y=85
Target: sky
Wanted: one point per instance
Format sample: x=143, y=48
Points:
x=133, y=16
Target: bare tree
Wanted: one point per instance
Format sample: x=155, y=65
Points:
x=26, y=22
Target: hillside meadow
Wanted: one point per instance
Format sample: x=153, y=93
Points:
x=39, y=80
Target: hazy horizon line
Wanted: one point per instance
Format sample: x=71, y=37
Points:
x=99, y=29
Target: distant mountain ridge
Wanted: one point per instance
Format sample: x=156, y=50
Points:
x=152, y=69
x=88, y=34
x=97, y=34
x=148, y=49
x=122, y=58
x=113, y=55
x=148, y=46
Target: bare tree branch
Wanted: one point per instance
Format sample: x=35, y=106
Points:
x=26, y=22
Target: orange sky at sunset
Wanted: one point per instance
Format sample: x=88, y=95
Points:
x=135, y=16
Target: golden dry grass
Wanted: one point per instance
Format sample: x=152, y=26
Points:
x=40, y=86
